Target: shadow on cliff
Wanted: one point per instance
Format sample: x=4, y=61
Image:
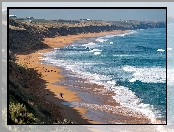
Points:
x=27, y=87
x=24, y=42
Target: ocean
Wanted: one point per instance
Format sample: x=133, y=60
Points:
x=128, y=68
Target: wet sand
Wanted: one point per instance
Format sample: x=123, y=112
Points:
x=52, y=74
x=99, y=103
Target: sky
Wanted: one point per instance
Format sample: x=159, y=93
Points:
x=93, y=14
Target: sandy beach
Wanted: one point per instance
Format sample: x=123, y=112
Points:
x=48, y=94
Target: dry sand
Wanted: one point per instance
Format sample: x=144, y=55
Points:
x=49, y=94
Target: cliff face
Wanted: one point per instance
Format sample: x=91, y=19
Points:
x=91, y=29
x=25, y=106
x=24, y=40
x=41, y=31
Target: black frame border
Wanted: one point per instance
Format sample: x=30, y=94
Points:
x=8, y=8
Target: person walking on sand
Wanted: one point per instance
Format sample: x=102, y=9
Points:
x=61, y=95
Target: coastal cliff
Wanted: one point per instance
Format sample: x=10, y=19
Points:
x=32, y=34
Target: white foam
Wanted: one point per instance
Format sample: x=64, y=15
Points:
x=91, y=45
x=108, y=108
x=160, y=50
x=97, y=53
x=140, y=112
x=127, y=98
x=129, y=68
x=147, y=75
x=56, y=48
x=101, y=39
x=95, y=50
x=105, y=38
x=132, y=80
x=111, y=42
x=110, y=36
x=121, y=35
x=111, y=82
x=123, y=55
x=124, y=96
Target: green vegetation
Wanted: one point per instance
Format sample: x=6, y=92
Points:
x=20, y=109
x=65, y=121
x=19, y=114
x=23, y=106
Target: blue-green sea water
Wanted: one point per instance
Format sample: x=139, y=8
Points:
x=132, y=65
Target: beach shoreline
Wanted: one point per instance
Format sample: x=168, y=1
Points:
x=52, y=74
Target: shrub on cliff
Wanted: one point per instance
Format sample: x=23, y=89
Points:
x=65, y=121
x=18, y=114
